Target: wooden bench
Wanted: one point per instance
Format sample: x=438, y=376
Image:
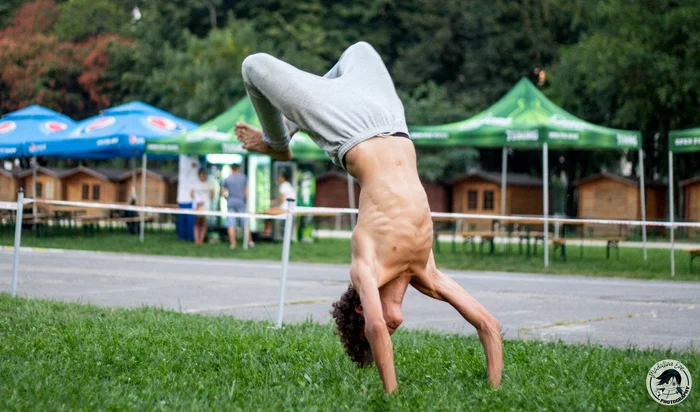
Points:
x=128, y=220
x=612, y=243
x=561, y=245
x=445, y=226
x=90, y=223
x=693, y=254
x=485, y=237
x=526, y=236
x=39, y=223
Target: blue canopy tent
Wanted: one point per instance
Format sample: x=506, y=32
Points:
x=121, y=131
x=31, y=123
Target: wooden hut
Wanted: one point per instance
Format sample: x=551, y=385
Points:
x=332, y=190
x=691, y=200
x=48, y=183
x=480, y=192
x=156, y=187
x=8, y=186
x=171, y=179
x=610, y=196
x=83, y=184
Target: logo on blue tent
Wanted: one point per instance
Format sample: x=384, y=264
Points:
x=7, y=127
x=52, y=126
x=133, y=140
x=33, y=148
x=160, y=124
x=98, y=124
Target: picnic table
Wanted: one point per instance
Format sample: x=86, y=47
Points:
x=446, y=225
x=693, y=254
x=536, y=236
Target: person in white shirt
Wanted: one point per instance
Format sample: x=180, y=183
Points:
x=279, y=205
x=201, y=194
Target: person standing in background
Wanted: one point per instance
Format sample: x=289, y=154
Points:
x=187, y=177
x=202, y=194
x=235, y=189
x=279, y=205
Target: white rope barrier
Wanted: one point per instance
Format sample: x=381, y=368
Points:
x=311, y=211
x=160, y=210
x=314, y=210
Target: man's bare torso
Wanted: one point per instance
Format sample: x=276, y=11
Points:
x=394, y=230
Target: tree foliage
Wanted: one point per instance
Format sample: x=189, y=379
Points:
x=621, y=63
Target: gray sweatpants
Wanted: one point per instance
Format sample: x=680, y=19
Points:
x=353, y=102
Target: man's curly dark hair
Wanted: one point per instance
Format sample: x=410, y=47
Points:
x=351, y=327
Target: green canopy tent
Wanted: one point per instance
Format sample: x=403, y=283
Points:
x=526, y=118
x=679, y=141
x=217, y=137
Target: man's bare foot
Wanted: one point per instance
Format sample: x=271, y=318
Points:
x=251, y=138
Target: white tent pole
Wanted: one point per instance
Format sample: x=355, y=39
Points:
x=133, y=178
x=34, y=207
x=670, y=211
x=351, y=199
x=545, y=199
x=504, y=171
x=143, y=197
x=642, y=198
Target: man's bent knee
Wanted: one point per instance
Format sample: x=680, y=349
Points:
x=254, y=65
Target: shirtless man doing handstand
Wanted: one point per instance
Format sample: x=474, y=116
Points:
x=355, y=115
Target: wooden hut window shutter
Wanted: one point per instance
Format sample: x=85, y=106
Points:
x=472, y=199
x=488, y=200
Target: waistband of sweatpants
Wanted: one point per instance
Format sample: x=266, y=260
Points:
x=345, y=147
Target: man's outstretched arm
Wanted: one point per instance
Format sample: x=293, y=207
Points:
x=441, y=287
x=376, y=331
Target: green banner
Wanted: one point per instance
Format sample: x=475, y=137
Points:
x=217, y=137
x=680, y=141
x=525, y=117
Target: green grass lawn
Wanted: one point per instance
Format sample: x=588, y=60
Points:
x=60, y=356
x=593, y=263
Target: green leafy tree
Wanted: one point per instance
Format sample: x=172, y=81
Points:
x=81, y=19
x=204, y=79
x=638, y=69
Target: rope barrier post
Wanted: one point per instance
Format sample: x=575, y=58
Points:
x=545, y=201
x=143, y=197
x=34, y=207
x=670, y=211
x=18, y=239
x=351, y=200
x=642, y=195
x=246, y=233
x=289, y=219
x=504, y=173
